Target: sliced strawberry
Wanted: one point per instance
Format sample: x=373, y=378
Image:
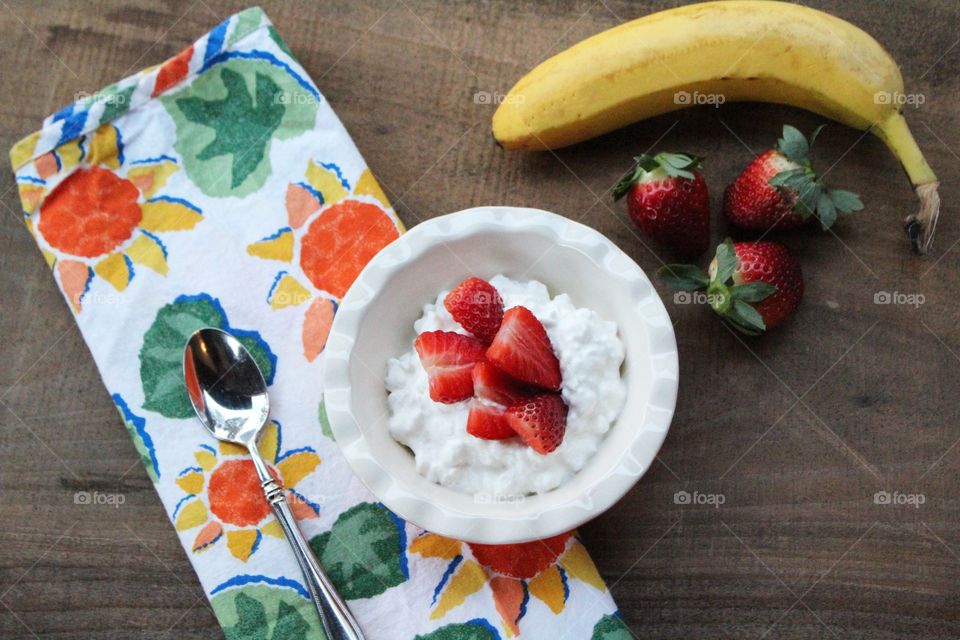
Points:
x=477, y=306
x=448, y=359
x=494, y=385
x=488, y=422
x=522, y=350
x=522, y=561
x=540, y=421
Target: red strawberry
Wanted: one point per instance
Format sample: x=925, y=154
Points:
x=477, y=306
x=522, y=350
x=754, y=285
x=780, y=189
x=540, y=421
x=492, y=384
x=488, y=422
x=522, y=561
x=667, y=198
x=448, y=359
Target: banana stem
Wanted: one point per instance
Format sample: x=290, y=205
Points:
x=922, y=225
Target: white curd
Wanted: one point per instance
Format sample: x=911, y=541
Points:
x=590, y=354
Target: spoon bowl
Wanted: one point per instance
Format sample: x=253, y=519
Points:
x=225, y=386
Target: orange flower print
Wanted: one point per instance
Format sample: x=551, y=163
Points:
x=513, y=573
x=340, y=243
x=106, y=214
x=91, y=213
x=235, y=494
x=224, y=498
x=334, y=230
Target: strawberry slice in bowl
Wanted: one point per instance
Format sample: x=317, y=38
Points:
x=493, y=385
x=522, y=350
x=449, y=358
x=488, y=421
x=477, y=306
x=540, y=421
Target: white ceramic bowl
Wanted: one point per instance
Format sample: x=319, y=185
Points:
x=375, y=323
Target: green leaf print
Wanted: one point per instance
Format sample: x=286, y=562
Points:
x=251, y=620
x=117, y=102
x=142, y=442
x=290, y=624
x=473, y=630
x=242, y=125
x=324, y=420
x=228, y=117
x=611, y=628
x=364, y=552
x=161, y=357
x=252, y=623
x=275, y=36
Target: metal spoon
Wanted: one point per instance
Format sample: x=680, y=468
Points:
x=229, y=394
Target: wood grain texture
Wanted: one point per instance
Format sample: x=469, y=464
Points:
x=797, y=430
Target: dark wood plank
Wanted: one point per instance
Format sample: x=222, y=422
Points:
x=796, y=431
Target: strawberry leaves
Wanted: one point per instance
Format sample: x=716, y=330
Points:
x=812, y=196
x=662, y=165
x=794, y=145
x=683, y=277
x=732, y=301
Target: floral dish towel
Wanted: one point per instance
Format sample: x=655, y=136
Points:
x=220, y=189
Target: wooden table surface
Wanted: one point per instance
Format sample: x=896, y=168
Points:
x=796, y=431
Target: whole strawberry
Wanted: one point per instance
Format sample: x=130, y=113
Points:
x=753, y=285
x=780, y=189
x=667, y=198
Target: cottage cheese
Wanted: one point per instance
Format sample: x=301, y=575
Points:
x=590, y=355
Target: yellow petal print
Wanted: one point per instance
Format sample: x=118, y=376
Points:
x=169, y=214
x=269, y=444
x=229, y=449
x=367, y=185
x=148, y=251
x=548, y=587
x=150, y=178
x=327, y=182
x=243, y=543
x=70, y=154
x=206, y=459
x=469, y=578
x=30, y=195
x=207, y=536
x=105, y=147
x=431, y=545
x=115, y=270
x=296, y=466
x=192, y=515
x=49, y=256
x=276, y=247
x=272, y=529
x=577, y=562
x=288, y=292
x=21, y=152
x=191, y=482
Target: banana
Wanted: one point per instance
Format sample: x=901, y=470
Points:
x=756, y=50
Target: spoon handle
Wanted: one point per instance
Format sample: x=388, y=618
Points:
x=338, y=622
